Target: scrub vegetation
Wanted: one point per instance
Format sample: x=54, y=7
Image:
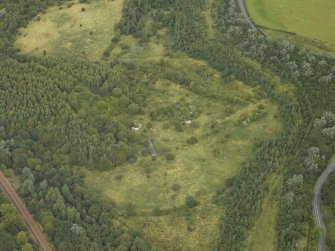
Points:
x=77, y=29
x=239, y=122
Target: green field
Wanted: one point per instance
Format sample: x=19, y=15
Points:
x=68, y=30
x=310, y=19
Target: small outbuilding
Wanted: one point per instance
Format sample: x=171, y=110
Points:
x=136, y=127
x=2, y=11
x=152, y=150
x=187, y=122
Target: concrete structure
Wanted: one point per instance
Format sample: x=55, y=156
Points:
x=152, y=150
x=2, y=12
x=136, y=127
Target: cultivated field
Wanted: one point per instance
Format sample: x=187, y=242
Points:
x=313, y=20
x=78, y=29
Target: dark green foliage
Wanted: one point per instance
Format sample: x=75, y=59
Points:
x=11, y=225
x=192, y=140
x=39, y=110
x=191, y=202
x=170, y=156
x=41, y=128
x=313, y=77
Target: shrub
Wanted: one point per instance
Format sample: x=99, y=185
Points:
x=193, y=140
x=261, y=106
x=107, y=53
x=179, y=127
x=191, y=202
x=125, y=47
x=176, y=187
x=170, y=156
x=156, y=211
x=133, y=108
x=149, y=125
x=83, y=9
x=196, y=124
x=115, y=40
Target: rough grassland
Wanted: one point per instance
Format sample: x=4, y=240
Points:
x=150, y=194
x=263, y=236
x=66, y=30
x=308, y=18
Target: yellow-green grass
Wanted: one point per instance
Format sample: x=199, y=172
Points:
x=66, y=30
x=196, y=171
x=263, y=236
x=312, y=19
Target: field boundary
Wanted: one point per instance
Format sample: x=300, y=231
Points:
x=278, y=30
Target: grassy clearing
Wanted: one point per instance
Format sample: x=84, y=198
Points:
x=229, y=119
x=150, y=194
x=64, y=30
x=311, y=19
x=263, y=236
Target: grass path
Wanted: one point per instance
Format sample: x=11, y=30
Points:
x=263, y=235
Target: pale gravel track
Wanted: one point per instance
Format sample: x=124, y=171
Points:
x=318, y=219
x=245, y=14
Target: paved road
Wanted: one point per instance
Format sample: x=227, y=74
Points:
x=316, y=203
x=245, y=14
x=32, y=226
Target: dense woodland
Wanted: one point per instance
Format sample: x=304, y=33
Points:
x=299, y=152
x=44, y=132
x=43, y=136
x=13, y=232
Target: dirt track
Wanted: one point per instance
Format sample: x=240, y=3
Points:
x=245, y=14
x=317, y=201
x=32, y=226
